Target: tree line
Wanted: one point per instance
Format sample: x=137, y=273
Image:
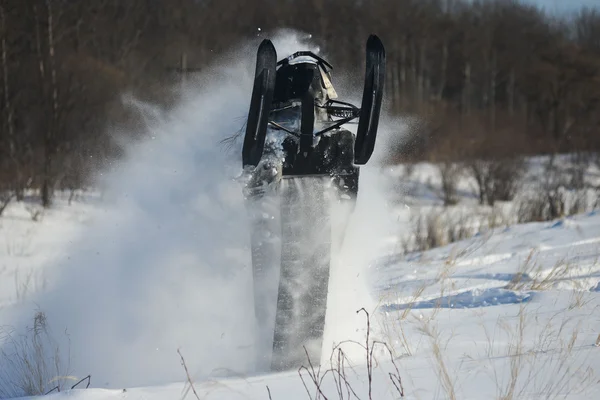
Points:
x=486, y=78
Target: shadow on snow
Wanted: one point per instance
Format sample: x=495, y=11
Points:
x=468, y=299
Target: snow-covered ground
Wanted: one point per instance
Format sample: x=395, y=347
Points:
x=511, y=313
x=159, y=263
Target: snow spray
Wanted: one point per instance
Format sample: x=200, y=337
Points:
x=165, y=263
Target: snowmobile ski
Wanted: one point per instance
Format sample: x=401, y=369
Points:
x=260, y=103
x=304, y=277
x=371, y=101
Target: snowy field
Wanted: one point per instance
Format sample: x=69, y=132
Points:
x=508, y=313
x=147, y=286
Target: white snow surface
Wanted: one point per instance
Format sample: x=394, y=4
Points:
x=159, y=262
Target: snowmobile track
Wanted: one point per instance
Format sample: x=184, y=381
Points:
x=305, y=260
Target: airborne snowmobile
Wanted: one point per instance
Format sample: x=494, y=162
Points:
x=298, y=153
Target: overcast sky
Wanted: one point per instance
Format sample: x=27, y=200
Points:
x=565, y=5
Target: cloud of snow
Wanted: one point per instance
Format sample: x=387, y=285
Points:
x=166, y=262
x=367, y=237
x=165, y=265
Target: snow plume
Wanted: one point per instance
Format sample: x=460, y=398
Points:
x=365, y=240
x=166, y=264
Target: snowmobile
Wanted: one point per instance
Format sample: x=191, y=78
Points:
x=300, y=157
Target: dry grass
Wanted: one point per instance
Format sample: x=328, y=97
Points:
x=443, y=374
x=532, y=275
x=515, y=354
x=189, y=380
x=32, y=364
x=580, y=298
x=340, y=367
x=442, y=278
x=524, y=358
x=394, y=330
x=436, y=227
x=549, y=365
